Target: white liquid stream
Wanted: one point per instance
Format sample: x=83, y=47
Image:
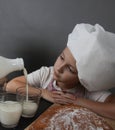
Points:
x=25, y=74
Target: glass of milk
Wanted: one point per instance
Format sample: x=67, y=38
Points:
x=10, y=111
x=2, y=94
x=29, y=98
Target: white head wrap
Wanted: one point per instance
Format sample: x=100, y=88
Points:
x=94, y=51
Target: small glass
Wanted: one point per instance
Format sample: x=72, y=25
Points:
x=29, y=99
x=2, y=95
x=10, y=110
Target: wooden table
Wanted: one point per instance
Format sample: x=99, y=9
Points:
x=109, y=121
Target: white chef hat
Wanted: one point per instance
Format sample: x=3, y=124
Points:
x=94, y=51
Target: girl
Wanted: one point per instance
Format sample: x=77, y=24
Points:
x=78, y=76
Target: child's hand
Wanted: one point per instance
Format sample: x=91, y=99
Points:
x=58, y=97
x=63, y=98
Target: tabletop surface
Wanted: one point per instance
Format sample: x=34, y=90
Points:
x=24, y=122
x=45, y=116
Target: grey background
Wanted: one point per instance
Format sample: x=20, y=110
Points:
x=37, y=30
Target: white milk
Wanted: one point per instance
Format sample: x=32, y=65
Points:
x=10, y=113
x=29, y=109
x=25, y=74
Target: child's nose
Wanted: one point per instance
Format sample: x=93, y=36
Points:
x=61, y=68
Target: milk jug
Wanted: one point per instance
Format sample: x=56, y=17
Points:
x=9, y=65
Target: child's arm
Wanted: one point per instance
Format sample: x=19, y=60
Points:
x=15, y=83
x=106, y=109
x=21, y=82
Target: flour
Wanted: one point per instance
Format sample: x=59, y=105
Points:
x=76, y=119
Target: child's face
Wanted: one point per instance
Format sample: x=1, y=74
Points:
x=65, y=71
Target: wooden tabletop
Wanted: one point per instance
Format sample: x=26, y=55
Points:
x=109, y=121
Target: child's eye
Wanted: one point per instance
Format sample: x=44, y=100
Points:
x=61, y=57
x=71, y=70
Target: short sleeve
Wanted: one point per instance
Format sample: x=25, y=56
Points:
x=39, y=77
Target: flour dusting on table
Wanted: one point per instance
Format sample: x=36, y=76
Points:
x=69, y=117
x=76, y=119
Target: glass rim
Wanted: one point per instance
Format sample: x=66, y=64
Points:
x=32, y=91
